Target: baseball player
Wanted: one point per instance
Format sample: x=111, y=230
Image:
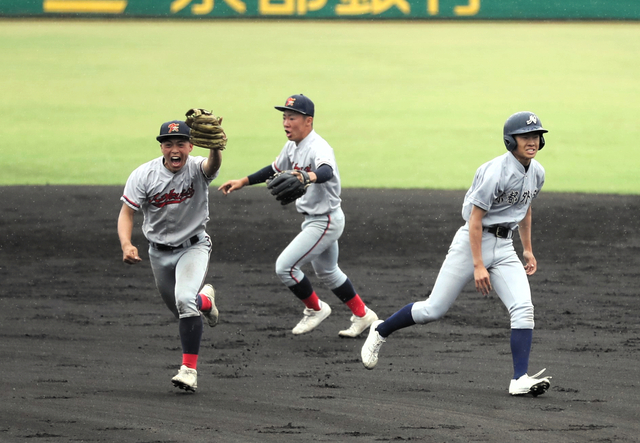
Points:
x=172, y=192
x=323, y=220
x=498, y=203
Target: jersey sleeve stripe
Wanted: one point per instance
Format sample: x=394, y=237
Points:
x=130, y=203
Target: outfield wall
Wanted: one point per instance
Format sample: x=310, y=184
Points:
x=330, y=9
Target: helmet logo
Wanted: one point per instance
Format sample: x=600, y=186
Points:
x=290, y=101
x=532, y=119
x=174, y=127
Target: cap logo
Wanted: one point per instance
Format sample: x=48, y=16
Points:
x=290, y=101
x=174, y=127
x=532, y=119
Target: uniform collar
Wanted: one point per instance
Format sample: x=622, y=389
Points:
x=305, y=141
x=518, y=165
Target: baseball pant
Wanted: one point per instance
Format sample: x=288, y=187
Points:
x=506, y=272
x=180, y=274
x=317, y=244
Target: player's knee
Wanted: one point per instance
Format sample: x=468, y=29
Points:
x=181, y=306
x=423, y=312
x=186, y=307
x=522, y=317
x=286, y=273
x=281, y=268
x=333, y=278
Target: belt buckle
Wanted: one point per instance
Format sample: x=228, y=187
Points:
x=502, y=232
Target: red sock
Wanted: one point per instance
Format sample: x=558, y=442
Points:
x=205, y=303
x=190, y=360
x=312, y=302
x=357, y=306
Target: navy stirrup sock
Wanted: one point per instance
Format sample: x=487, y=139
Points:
x=399, y=320
x=303, y=289
x=345, y=292
x=520, y=349
x=190, y=334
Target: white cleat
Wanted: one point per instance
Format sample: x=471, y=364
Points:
x=312, y=319
x=186, y=379
x=359, y=324
x=371, y=346
x=212, y=315
x=530, y=385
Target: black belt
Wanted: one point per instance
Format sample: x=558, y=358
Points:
x=192, y=241
x=499, y=231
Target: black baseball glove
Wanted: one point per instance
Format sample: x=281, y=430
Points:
x=206, y=129
x=287, y=186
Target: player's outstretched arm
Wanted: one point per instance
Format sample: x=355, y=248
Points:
x=257, y=177
x=233, y=185
x=125, y=228
x=213, y=162
x=524, y=227
x=480, y=273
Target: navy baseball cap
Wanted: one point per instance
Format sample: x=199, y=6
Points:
x=298, y=103
x=174, y=128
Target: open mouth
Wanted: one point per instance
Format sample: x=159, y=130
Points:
x=175, y=161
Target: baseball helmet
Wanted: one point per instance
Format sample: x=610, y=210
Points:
x=521, y=123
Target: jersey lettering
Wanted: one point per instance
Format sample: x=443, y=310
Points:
x=299, y=168
x=526, y=196
x=511, y=198
x=172, y=197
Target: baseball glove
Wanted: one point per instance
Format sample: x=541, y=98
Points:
x=206, y=131
x=287, y=187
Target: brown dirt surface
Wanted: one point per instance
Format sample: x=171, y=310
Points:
x=88, y=347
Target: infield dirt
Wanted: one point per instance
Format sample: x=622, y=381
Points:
x=88, y=347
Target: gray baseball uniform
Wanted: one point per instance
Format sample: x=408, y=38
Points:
x=324, y=220
x=497, y=203
x=176, y=211
x=505, y=190
x=323, y=224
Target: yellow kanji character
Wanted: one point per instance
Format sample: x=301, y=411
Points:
x=471, y=9
x=310, y=5
x=360, y=7
x=206, y=6
x=353, y=7
x=380, y=6
x=289, y=7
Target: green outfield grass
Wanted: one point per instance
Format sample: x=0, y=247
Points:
x=404, y=104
